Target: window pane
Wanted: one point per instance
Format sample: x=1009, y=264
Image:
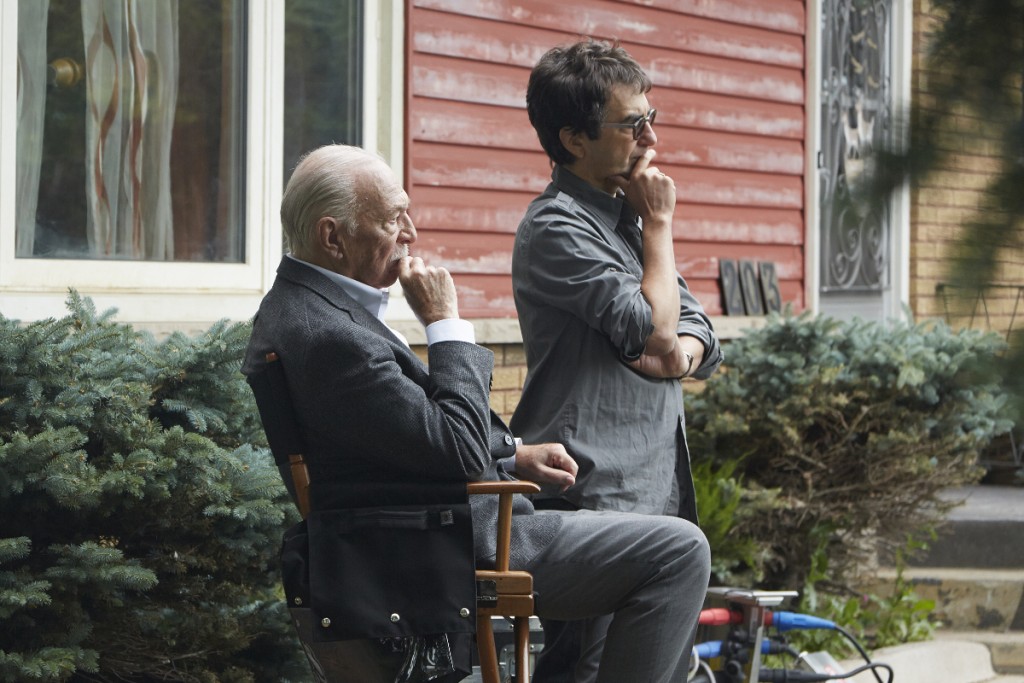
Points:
x=323, y=76
x=131, y=129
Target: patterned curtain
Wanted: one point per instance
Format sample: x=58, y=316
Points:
x=31, y=110
x=131, y=62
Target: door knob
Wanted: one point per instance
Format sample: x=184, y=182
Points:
x=65, y=72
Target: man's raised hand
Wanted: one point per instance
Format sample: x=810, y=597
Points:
x=429, y=290
x=651, y=193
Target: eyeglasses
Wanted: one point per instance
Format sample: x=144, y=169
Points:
x=637, y=126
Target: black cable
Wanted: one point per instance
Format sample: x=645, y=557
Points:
x=863, y=653
x=789, y=676
x=781, y=646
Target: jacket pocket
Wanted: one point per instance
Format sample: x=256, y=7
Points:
x=391, y=571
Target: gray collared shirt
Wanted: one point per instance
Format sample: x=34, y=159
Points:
x=577, y=266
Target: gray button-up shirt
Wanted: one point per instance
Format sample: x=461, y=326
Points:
x=576, y=272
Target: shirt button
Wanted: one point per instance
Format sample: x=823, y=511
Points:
x=509, y=440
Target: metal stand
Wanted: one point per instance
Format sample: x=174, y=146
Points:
x=754, y=605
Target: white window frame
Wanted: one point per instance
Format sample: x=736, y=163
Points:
x=188, y=296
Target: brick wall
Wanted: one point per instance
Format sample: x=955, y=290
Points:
x=509, y=375
x=507, y=380
x=942, y=203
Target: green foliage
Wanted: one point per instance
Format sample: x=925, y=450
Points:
x=139, y=515
x=857, y=426
x=876, y=620
x=725, y=507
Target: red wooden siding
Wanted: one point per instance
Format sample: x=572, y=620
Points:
x=729, y=88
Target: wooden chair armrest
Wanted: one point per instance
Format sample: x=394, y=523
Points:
x=504, y=489
x=300, y=479
x=498, y=487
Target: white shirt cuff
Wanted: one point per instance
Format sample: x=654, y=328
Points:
x=451, y=329
x=509, y=464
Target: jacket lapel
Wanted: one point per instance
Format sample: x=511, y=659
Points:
x=334, y=294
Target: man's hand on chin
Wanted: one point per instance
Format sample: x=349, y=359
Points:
x=546, y=463
x=429, y=290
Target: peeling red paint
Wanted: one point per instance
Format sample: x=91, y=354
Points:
x=730, y=92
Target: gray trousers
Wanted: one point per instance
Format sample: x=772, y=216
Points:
x=572, y=650
x=649, y=573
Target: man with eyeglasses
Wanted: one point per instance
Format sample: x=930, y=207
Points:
x=609, y=326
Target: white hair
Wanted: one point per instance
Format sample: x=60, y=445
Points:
x=324, y=183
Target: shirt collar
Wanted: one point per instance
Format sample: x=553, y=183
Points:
x=372, y=299
x=611, y=209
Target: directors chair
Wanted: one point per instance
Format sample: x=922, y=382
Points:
x=338, y=577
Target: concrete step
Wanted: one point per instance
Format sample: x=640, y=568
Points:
x=974, y=572
x=935, y=661
x=1007, y=649
x=985, y=531
x=965, y=599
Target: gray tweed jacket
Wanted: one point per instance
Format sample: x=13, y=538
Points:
x=370, y=411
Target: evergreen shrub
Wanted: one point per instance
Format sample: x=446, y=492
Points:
x=839, y=437
x=140, y=518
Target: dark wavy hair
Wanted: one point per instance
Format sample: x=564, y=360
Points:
x=570, y=87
